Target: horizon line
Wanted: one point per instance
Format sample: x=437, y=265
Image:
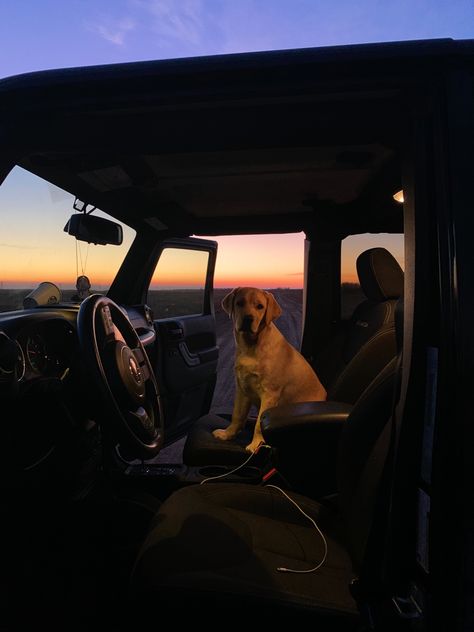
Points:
x=166, y=289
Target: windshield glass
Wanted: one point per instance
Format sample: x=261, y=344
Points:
x=35, y=249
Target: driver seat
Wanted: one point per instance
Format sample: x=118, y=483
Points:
x=218, y=545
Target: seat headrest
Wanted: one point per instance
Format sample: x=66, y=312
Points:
x=380, y=275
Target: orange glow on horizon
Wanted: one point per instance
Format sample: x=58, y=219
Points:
x=180, y=268
x=30, y=280
x=62, y=278
x=266, y=261
x=181, y=276
x=219, y=282
x=265, y=282
x=349, y=277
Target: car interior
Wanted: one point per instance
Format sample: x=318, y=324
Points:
x=333, y=523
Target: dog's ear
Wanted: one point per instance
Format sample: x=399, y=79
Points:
x=228, y=301
x=273, y=309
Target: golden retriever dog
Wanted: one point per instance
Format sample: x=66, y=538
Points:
x=268, y=370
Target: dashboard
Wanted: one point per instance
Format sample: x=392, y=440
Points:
x=50, y=408
x=38, y=408
x=46, y=342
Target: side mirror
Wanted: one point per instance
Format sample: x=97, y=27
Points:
x=94, y=230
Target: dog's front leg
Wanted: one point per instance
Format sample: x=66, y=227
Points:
x=257, y=434
x=239, y=416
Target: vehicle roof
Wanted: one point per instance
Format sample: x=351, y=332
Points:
x=229, y=144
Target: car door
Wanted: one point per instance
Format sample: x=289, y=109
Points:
x=180, y=298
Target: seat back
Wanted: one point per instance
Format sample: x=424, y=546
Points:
x=365, y=343
x=363, y=449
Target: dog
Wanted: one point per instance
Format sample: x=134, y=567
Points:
x=268, y=370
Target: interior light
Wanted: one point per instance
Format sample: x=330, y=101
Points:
x=398, y=196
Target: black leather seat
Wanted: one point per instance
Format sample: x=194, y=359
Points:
x=219, y=545
x=346, y=366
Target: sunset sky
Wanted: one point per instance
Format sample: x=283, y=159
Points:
x=42, y=34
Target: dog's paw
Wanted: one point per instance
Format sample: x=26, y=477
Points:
x=221, y=434
x=253, y=446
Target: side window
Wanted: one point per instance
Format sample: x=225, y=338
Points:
x=352, y=247
x=178, y=283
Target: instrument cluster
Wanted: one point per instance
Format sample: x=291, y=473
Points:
x=47, y=349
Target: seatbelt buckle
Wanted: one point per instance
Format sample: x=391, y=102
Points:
x=263, y=460
x=276, y=478
x=270, y=474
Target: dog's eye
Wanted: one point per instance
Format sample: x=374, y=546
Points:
x=259, y=306
x=240, y=303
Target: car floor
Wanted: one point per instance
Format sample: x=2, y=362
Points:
x=171, y=454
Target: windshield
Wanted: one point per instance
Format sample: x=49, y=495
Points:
x=34, y=248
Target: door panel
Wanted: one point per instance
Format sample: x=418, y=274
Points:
x=191, y=353
x=188, y=361
x=186, y=349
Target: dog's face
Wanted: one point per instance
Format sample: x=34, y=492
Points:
x=251, y=308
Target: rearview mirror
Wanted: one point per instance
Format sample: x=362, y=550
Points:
x=94, y=230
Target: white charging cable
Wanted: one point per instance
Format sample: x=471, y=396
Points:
x=213, y=478
x=283, y=569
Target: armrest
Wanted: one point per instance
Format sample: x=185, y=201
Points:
x=317, y=418
x=305, y=438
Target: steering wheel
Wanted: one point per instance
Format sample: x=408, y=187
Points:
x=120, y=366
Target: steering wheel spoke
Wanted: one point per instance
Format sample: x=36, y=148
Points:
x=120, y=365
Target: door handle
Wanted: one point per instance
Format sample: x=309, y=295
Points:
x=191, y=359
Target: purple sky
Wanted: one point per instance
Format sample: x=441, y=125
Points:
x=39, y=34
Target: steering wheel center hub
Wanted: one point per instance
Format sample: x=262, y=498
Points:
x=129, y=372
